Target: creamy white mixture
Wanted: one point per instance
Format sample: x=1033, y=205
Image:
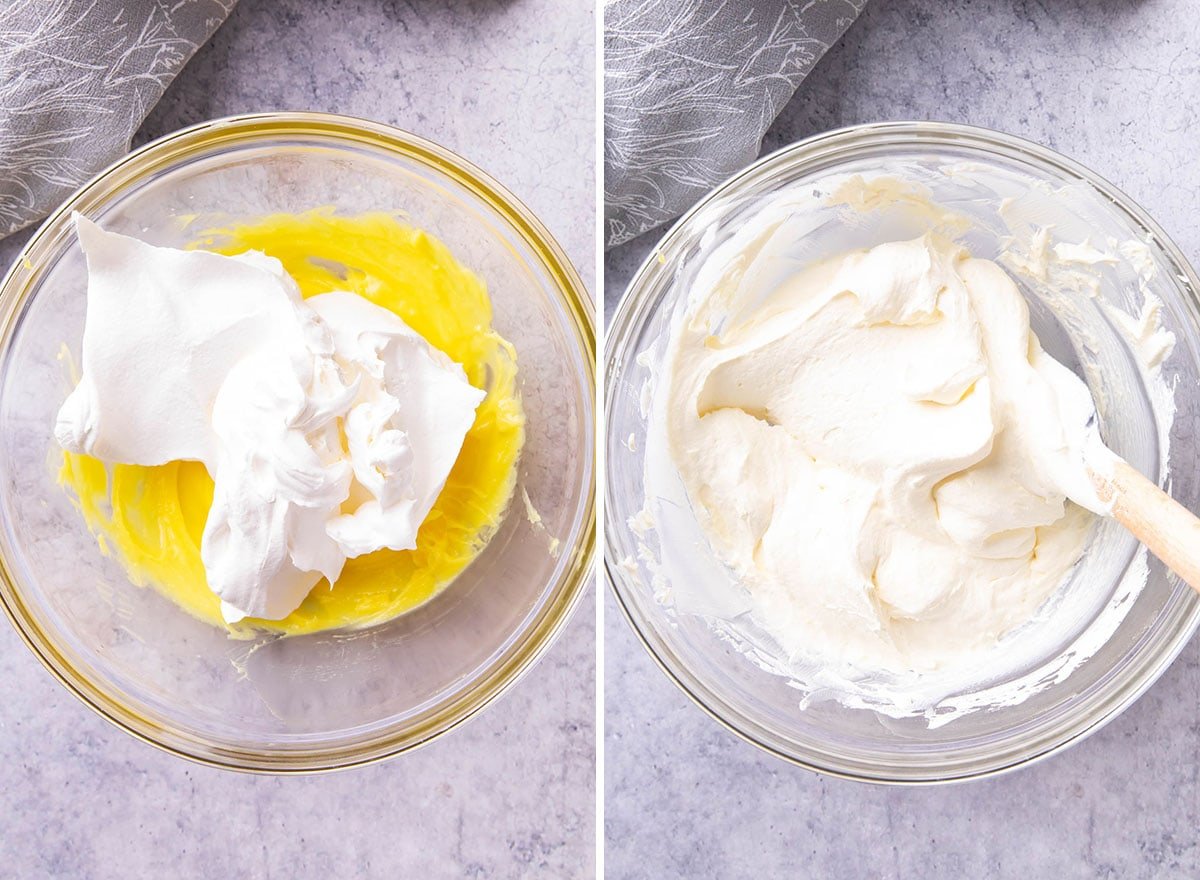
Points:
x=879, y=448
x=189, y=355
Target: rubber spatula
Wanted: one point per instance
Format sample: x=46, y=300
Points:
x=1168, y=529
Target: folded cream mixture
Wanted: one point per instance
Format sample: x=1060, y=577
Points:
x=880, y=450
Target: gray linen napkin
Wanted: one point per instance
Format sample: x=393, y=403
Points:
x=77, y=77
x=691, y=86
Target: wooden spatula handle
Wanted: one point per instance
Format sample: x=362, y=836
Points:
x=1166, y=527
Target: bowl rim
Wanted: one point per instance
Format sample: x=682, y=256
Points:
x=628, y=316
x=572, y=582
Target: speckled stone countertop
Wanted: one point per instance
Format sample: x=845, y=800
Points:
x=510, y=86
x=1115, y=85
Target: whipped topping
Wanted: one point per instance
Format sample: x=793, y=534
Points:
x=879, y=448
x=328, y=425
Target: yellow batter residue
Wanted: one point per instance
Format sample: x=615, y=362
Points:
x=152, y=518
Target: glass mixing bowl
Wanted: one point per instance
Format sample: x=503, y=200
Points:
x=338, y=698
x=1115, y=640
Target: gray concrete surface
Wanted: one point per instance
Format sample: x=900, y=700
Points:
x=1116, y=85
x=509, y=84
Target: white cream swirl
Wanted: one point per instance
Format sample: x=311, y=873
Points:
x=880, y=449
x=195, y=356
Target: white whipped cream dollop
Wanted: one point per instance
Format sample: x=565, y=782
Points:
x=879, y=449
x=196, y=356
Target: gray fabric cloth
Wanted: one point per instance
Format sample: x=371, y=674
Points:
x=691, y=86
x=77, y=77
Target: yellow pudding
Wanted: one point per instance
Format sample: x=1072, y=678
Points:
x=152, y=518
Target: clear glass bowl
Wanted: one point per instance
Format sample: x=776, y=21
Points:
x=333, y=699
x=1147, y=632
